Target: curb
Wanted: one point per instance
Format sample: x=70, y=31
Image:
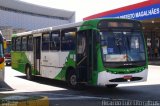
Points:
x=4, y=86
x=24, y=100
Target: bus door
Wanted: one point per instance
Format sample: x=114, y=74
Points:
x=84, y=56
x=37, y=54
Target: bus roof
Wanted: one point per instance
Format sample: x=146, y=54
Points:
x=50, y=29
x=65, y=26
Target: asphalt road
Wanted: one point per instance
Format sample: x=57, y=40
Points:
x=144, y=93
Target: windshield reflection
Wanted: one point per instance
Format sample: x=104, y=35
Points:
x=122, y=46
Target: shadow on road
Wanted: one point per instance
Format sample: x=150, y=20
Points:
x=47, y=81
x=142, y=92
x=4, y=86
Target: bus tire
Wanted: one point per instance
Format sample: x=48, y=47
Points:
x=112, y=86
x=72, y=79
x=28, y=73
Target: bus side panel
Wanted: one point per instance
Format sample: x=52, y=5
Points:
x=63, y=58
x=16, y=61
x=20, y=60
x=30, y=60
x=50, y=64
x=70, y=62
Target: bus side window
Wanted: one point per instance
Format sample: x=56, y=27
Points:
x=45, y=41
x=55, y=41
x=81, y=43
x=30, y=43
x=24, y=43
x=13, y=44
x=18, y=44
x=68, y=39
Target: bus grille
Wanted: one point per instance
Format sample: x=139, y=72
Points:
x=125, y=80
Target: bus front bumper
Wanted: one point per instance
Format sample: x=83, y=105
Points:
x=106, y=78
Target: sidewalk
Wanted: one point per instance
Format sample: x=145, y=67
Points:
x=4, y=86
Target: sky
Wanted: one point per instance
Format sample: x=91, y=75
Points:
x=84, y=8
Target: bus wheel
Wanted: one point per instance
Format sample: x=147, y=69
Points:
x=72, y=79
x=28, y=73
x=112, y=86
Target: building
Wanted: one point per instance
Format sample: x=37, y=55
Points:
x=17, y=15
x=148, y=12
x=8, y=31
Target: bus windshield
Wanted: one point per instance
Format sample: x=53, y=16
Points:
x=122, y=46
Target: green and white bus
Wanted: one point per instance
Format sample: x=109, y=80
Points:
x=102, y=52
